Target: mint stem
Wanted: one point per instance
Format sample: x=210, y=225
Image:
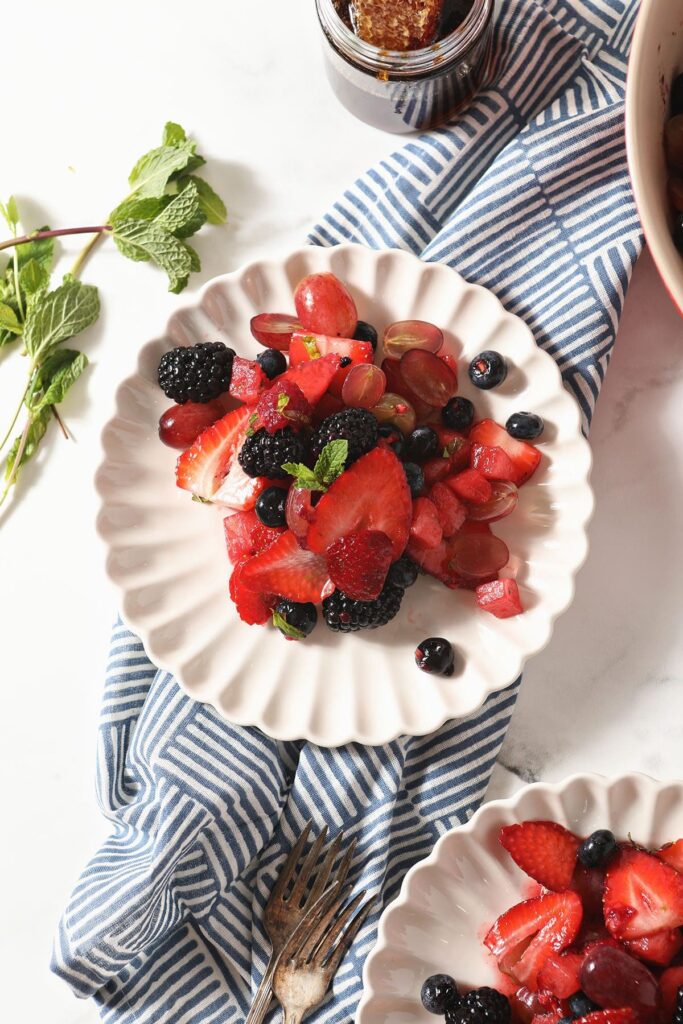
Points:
x=96, y=229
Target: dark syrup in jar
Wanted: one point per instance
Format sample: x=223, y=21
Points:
x=453, y=14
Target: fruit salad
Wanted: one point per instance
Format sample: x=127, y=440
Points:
x=599, y=941
x=348, y=468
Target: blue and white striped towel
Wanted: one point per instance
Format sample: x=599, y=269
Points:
x=526, y=193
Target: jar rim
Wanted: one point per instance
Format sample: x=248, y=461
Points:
x=403, y=63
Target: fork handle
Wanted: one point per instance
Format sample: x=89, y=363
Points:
x=292, y=1016
x=263, y=996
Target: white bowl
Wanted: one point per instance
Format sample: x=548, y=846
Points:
x=167, y=559
x=656, y=58
x=449, y=900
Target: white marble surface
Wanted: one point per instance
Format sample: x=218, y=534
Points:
x=246, y=80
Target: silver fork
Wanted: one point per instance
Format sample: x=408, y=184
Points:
x=315, y=950
x=289, y=902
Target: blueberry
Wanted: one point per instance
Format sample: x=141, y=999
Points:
x=581, y=1005
x=403, y=573
x=345, y=361
x=439, y=993
x=272, y=362
x=488, y=370
x=458, y=413
x=677, y=96
x=597, y=849
x=435, y=655
x=415, y=478
x=394, y=437
x=270, y=506
x=525, y=426
x=422, y=444
x=302, y=617
x=365, y=332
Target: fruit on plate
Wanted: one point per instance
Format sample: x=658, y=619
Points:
x=346, y=480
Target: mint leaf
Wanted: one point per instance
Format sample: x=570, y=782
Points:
x=153, y=171
x=174, y=135
x=211, y=204
x=9, y=320
x=33, y=278
x=42, y=250
x=56, y=376
x=60, y=315
x=195, y=262
x=145, y=241
x=282, y=401
x=36, y=432
x=332, y=461
x=291, y=631
x=182, y=217
x=136, y=208
x=304, y=478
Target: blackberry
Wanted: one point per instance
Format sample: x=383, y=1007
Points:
x=345, y=615
x=263, y=454
x=197, y=374
x=482, y=1006
x=357, y=426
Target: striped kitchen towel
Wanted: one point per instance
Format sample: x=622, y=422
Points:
x=526, y=193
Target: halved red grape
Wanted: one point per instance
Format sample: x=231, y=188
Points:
x=502, y=502
x=299, y=512
x=274, y=330
x=395, y=383
x=324, y=305
x=397, y=411
x=405, y=335
x=478, y=555
x=363, y=386
x=613, y=979
x=429, y=377
x=181, y=425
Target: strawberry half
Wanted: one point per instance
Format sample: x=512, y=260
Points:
x=544, y=850
x=523, y=937
x=642, y=895
x=672, y=854
x=359, y=562
x=659, y=948
x=524, y=457
x=204, y=466
x=373, y=494
x=288, y=570
x=560, y=974
x=252, y=607
x=245, y=535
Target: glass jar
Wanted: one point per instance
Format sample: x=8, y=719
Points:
x=403, y=91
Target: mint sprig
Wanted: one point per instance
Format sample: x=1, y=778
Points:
x=330, y=464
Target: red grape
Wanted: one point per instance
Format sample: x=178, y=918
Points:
x=181, y=425
x=478, y=555
x=397, y=411
x=395, y=382
x=299, y=512
x=405, y=335
x=429, y=377
x=324, y=306
x=363, y=386
x=614, y=979
x=274, y=330
x=502, y=502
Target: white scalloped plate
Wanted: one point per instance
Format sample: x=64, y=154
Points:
x=449, y=899
x=166, y=553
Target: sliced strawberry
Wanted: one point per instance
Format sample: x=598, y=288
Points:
x=501, y=598
x=425, y=527
x=452, y=513
x=313, y=378
x=252, y=607
x=373, y=494
x=560, y=974
x=245, y=535
x=239, y=491
x=283, y=405
x=524, y=457
x=625, y=1016
x=247, y=381
x=305, y=347
x=642, y=895
x=672, y=854
x=544, y=850
x=524, y=937
x=659, y=948
x=288, y=570
x=358, y=563
x=493, y=463
x=202, y=468
x=470, y=485
x=669, y=983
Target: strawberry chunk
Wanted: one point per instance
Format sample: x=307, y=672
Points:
x=283, y=405
x=313, y=378
x=625, y=1016
x=643, y=895
x=454, y=447
x=560, y=974
x=524, y=457
x=247, y=381
x=470, y=485
x=544, y=850
x=306, y=347
x=288, y=570
x=451, y=512
x=252, y=607
x=501, y=598
x=425, y=527
x=659, y=948
x=204, y=466
x=669, y=983
x=245, y=535
x=672, y=854
x=373, y=494
x=359, y=562
x=523, y=937
x=492, y=462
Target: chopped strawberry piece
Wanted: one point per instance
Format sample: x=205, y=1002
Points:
x=435, y=470
x=247, y=381
x=524, y=937
x=470, y=485
x=252, y=607
x=669, y=983
x=643, y=895
x=544, y=850
x=245, y=535
x=288, y=570
x=626, y=1016
x=493, y=463
x=283, y=405
x=358, y=563
x=202, y=468
x=373, y=494
x=672, y=854
x=524, y=457
x=425, y=528
x=453, y=446
x=560, y=974
x=434, y=561
x=659, y=948
x=452, y=513
x=313, y=378
x=501, y=598
x=305, y=347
